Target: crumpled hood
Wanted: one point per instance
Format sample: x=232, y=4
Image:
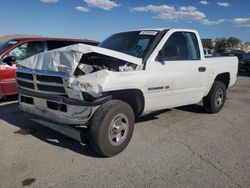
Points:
x=66, y=59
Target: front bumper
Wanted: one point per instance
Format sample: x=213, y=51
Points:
x=58, y=109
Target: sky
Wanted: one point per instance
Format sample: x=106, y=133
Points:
x=97, y=19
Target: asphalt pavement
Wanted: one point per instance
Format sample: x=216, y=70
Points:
x=179, y=147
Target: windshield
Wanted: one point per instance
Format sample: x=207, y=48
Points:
x=7, y=44
x=135, y=43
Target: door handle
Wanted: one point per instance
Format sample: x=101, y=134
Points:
x=202, y=69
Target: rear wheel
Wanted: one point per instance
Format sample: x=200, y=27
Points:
x=111, y=128
x=215, y=99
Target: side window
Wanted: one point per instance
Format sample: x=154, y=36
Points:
x=193, y=46
x=181, y=46
x=59, y=44
x=26, y=50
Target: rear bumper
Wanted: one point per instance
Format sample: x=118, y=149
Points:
x=58, y=109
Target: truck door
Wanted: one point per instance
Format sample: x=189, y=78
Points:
x=181, y=72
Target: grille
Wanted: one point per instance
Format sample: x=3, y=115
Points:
x=53, y=79
x=24, y=75
x=25, y=84
x=48, y=82
x=57, y=89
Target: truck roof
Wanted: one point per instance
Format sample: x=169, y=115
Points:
x=161, y=29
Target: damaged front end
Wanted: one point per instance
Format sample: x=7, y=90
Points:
x=66, y=85
x=47, y=94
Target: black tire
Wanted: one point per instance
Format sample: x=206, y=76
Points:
x=101, y=127
x=216, y=97
x=211, y=102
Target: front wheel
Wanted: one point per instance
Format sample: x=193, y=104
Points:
x=111, y=128
x=215, y=99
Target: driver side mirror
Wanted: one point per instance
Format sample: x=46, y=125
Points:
x=9, y=60
x=160, y=57
x=167, y=53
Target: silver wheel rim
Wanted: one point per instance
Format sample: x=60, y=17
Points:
x=118, y=129
x=219, y=97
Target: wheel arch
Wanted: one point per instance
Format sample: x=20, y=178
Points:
x=224, y=78
x=134, y=97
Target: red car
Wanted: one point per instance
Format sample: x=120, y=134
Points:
x=22, y=48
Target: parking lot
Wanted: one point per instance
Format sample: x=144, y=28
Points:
x=180, y=147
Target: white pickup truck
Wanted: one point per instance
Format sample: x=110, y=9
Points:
x=94, y=93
